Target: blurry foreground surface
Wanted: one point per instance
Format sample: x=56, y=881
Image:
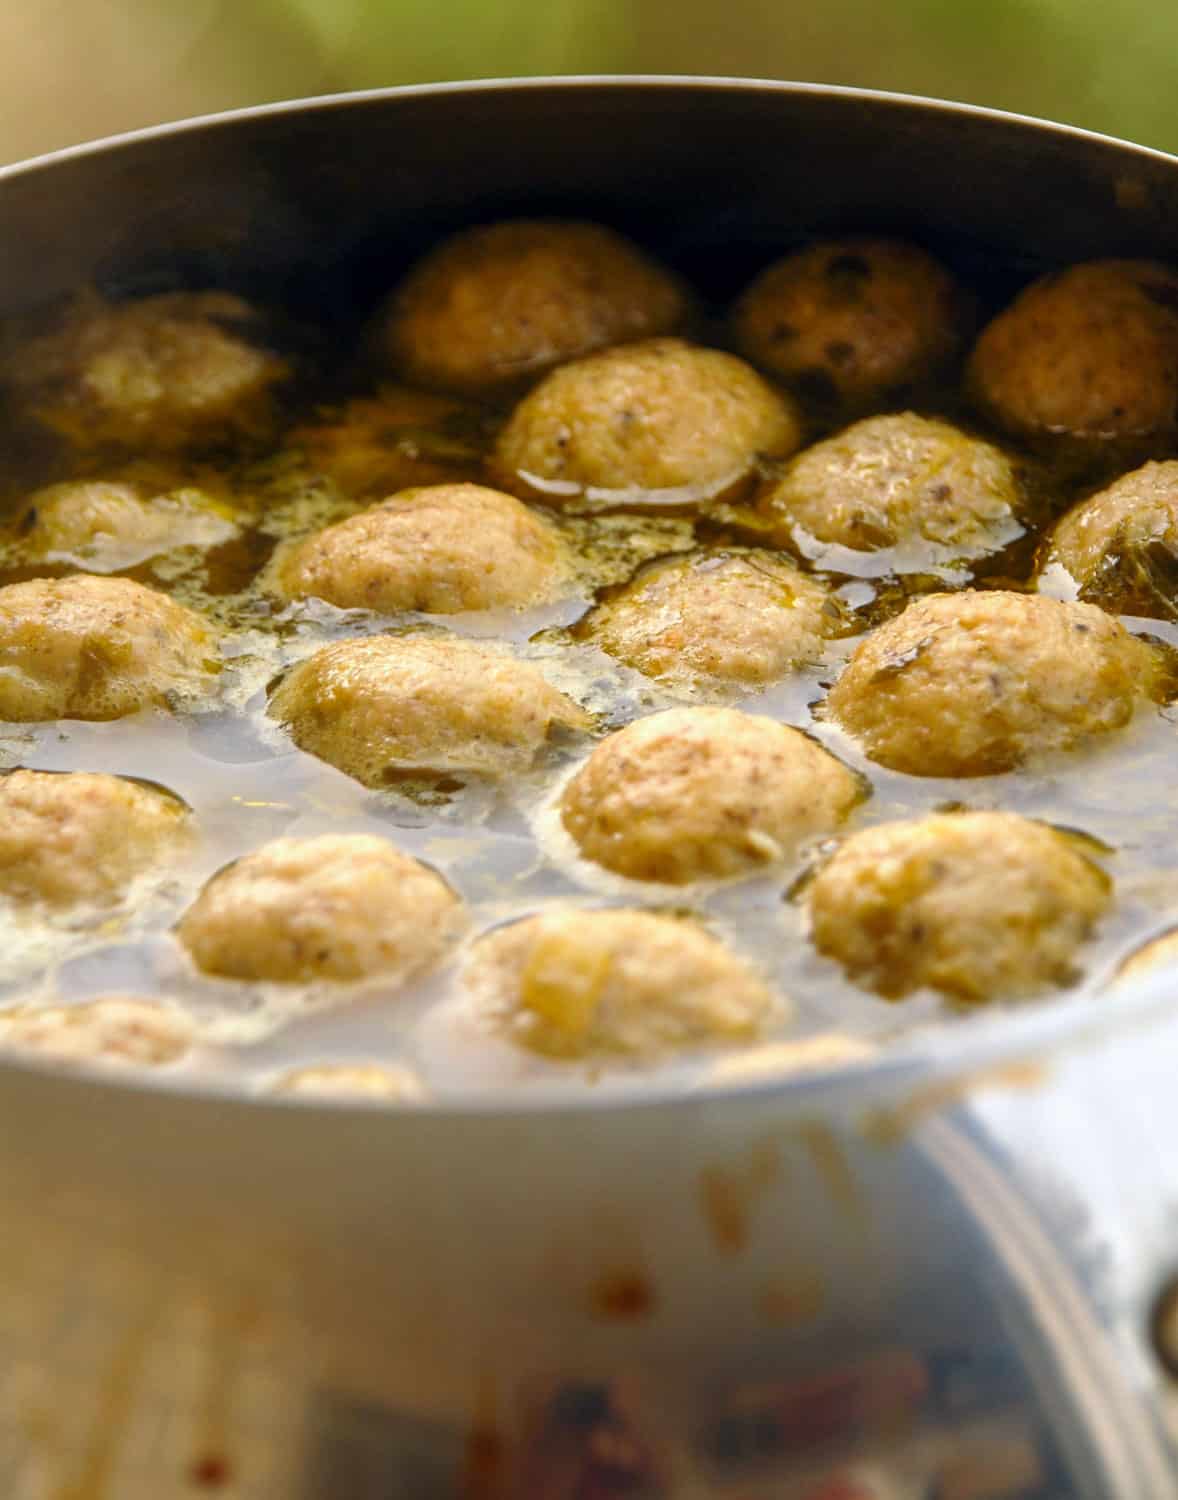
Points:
x=74, y=70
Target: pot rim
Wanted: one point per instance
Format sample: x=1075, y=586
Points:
x=644, y=82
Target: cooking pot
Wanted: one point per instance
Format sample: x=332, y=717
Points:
x=942, y=1271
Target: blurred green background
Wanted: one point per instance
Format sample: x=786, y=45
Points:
x=75, y=69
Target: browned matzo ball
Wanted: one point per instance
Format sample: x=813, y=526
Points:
x=96, y=648
x=703, y=794
x=338, y=907
x=178, y=371
x=386, y=702
x=852, y=318
x=980, y=906
x=443, y=549
x=920, y=486
x=658, y=416
x=1090, y=352
x=970, y=684
x=1120, y=546
x=504, y=302
x=574, y=983
x=104, y=525
x=77, y=837
x=716, y=617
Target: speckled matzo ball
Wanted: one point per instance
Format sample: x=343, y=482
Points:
x=503, y=302
x=442, y=550
x=913, y=484
x=980, y=906
x=77, y=837
x=105, y=525
x=574, y=983
x=97, y=648
x=341, y=907
x=716, y=618
x=386, y=702
x=129, y=1030
x=656, y=416
x=178, y=371
x=1119, y=547
x=1090, y=352
x=971, y=684
x=852, y=318
x=703, y=794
